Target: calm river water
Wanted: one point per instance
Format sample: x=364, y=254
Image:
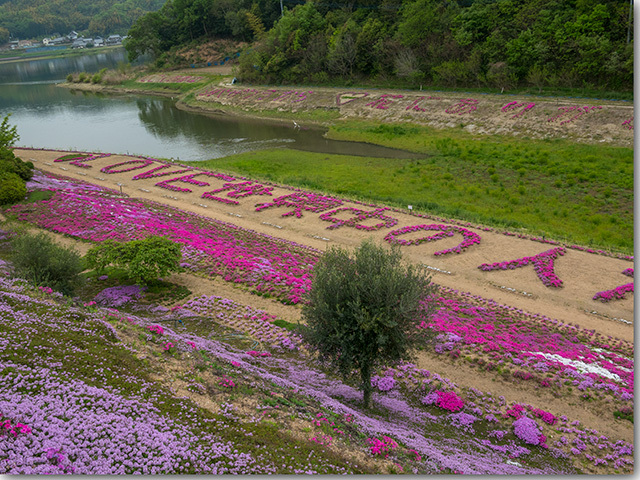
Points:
x=48, y=116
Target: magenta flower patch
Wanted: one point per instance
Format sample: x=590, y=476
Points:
x=511, y=106
x=360, y=216
x=81, y=159
x=542, y=263
x=268, y=265
x=300, y=201
x=466, y=105
x=449, y=401
x=470, y=238
x=617, y=293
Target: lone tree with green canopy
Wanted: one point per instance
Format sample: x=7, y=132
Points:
x=362, y=310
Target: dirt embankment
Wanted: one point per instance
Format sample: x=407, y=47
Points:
x=580, y=120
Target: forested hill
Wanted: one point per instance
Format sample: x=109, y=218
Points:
x=480, y=43
x=34, y=18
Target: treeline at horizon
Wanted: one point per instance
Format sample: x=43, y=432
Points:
x=465, y=43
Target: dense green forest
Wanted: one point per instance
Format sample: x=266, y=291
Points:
x=471, y=43
x=34, y=18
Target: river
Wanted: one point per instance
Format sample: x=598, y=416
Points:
x=51, y=117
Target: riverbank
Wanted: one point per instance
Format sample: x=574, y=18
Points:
x=580, y=120
x=481, y=169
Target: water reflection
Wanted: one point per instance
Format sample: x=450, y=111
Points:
x=48, y=116
x=56, y=69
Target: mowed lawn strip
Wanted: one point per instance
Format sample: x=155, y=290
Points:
x=571, y=192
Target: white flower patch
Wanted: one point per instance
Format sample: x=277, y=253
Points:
x=581, y=366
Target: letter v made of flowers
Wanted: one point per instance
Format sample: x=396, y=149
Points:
x=542, y=263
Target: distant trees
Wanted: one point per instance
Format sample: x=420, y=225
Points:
x=362, y=310
x=183, y=21
x=466, y=43
x=29, y=19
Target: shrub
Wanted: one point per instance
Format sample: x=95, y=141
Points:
x=10, y=163
x=12, y=188
x=41, y=261
x=144, y=260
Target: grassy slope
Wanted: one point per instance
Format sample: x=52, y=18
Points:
x=574, y=192
x=130, y=368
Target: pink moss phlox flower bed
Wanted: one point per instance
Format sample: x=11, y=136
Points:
x=566, y=110
x=269, y=265
x=360, y=216
x=190, y=179
x=618, y=293
x=384, y=102
x=301, y=201
x=527, y=430
x=470, y=238
x=382, y=446
x=415, y=104
x=174, y=78
x=81, y=159
x=542, y=263
x=466, y=105
x=65, y=415
x=515, y=105
x=253, y=322
x=449, y=401
x=292, y=96
x=534, y=345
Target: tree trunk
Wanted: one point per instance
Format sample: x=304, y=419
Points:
x=365, y=375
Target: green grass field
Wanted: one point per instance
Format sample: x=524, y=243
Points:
x=571, y=192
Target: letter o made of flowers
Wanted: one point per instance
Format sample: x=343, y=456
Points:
x=470, y=238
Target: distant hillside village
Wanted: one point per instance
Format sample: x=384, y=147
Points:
x=58, y=42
